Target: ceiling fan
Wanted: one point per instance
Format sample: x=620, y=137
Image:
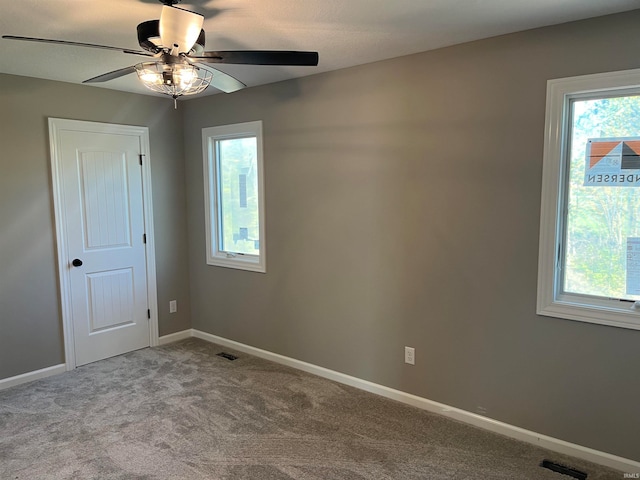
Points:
x=175, y=46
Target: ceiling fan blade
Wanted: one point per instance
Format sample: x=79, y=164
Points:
x=200, y=5
x=179, y=29
x=225, y=82
x=77, y=44
x=260, y=57
x=105, y=77
x=222, y=81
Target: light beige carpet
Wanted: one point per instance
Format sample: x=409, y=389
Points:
x=181, y=412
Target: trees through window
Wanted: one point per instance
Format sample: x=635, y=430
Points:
x=589, y=266
x=234, y=196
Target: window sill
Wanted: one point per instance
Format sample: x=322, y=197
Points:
x=250, y=264
x=606, y=314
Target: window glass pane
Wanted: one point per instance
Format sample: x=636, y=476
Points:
x=601, y=254
x=238, y=195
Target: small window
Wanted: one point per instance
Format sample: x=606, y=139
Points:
x=589, y=264
x=234, y=201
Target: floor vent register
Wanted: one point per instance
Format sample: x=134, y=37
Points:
x=228, y=356
x=564, y=470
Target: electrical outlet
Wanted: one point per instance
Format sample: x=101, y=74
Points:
x=410, y=355
x=173, y=306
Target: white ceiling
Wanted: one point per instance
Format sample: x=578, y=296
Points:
x=344, y=32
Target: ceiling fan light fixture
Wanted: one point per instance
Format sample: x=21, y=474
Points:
x=180, y=65
x=175, y=80
x=179, y=29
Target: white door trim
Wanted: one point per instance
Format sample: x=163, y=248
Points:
x=57, y=125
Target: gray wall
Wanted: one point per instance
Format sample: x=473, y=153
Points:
x=30, y=314
x=402, y=207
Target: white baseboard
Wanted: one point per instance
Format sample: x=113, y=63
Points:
x=31, y=376
x=174, y=337
x=544, y=441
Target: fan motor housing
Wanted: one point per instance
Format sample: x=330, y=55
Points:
x=151, y=29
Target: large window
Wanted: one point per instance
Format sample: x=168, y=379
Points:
x=589, y=267
x=234, y=196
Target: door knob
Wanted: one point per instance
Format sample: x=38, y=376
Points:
x=76, y=262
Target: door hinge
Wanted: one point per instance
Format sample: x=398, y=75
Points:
x=140, y=155
x=149, y=314
x=144, y=238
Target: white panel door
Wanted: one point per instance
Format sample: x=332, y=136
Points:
x=104, y=224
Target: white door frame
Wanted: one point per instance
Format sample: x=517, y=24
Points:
x=57, y=125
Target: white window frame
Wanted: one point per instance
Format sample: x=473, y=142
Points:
x=216, y=256
x=551, y=300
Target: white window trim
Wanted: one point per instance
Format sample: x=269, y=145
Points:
x=551, y=302
x=254, y=263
